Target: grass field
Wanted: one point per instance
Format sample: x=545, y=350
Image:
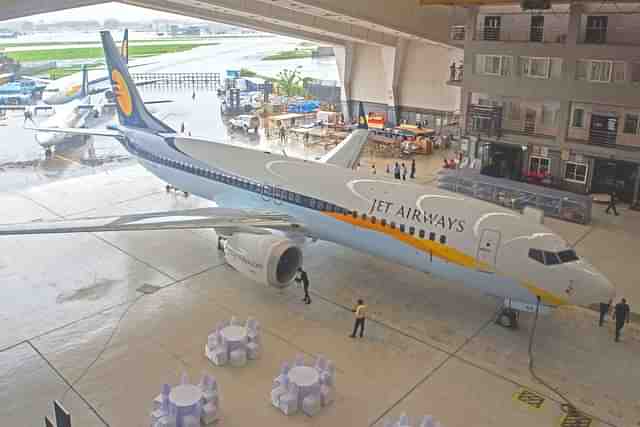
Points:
x=96, y=52
x=289, y=54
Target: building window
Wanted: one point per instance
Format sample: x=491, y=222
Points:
x=575, y=172
x=631, y=124
x=619, y=71
x=548, y=116
x=600, y=71
x=494, y=65
x=540, y=165
x=635, y=72
x=578, y=118
x=535, y=67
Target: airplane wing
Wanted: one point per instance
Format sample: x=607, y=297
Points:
x=224, y=221
x=348, y=152
x=80, y=131
x=24, y=107
x=37, y=79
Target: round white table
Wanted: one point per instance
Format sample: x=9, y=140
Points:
x=306, y=378
x=185, y=398
x=235, y=336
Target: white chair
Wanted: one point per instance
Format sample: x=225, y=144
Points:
x=184, y=378
x=331, y=369
x=428, y=421
x=321, y=363
x=209, y=414
x=289, y=400
x=219, y=356
x=311, y=405
x=326, y=395
x=276, y=394
x=238, y=358
x=325, y=379
x=299, y=360
x=403, y=421
x=253, y=351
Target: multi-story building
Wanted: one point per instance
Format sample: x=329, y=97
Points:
x=554, y=94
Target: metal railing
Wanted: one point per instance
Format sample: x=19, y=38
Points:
x=456, y=73
x=534, y=34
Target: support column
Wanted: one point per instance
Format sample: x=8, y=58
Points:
x=636, y=188
x=392, y=60
x=344, y=61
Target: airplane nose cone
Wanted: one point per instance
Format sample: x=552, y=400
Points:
x=594, y=287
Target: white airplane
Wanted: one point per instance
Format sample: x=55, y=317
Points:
x=272, y=203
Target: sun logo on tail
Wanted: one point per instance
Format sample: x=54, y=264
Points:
x=123, y=97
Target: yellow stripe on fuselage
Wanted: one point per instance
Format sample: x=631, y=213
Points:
x=428, y=246
x=545, y=296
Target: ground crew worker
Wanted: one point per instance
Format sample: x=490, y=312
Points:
x=283, y=134
x=612, y=203
x=361, y=313
x=413, y=168
x=305, y=284
x=604, y=310
x=621, y=315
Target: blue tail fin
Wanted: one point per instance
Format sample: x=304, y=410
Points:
x=129, y=104
x=362, y=119
x=84, y=89
x=124, y=47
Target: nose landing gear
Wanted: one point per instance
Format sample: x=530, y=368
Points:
x=508, y=318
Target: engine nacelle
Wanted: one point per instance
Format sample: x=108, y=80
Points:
x=109, y=95
x=269, y=259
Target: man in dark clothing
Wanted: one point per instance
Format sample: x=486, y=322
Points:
x=396, y=171
x=612, y=203
x=305, y=284
x=452, y=71
x=413, y=168
x=621, y=315
x=604, y=310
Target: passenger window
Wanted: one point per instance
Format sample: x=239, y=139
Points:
x=393, y=225
x=402, y=228
x=421, y=234
x=551, y=258
x=412, y=230
x=292, y=196
x=568, y=256
x=443, y=239
x=383, y=222
x=373, y=220
x=312, y=203
x=320, y=205
x=432, y=236
x=536, y=255
x=298, y=199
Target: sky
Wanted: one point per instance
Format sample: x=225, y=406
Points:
x=119, y=11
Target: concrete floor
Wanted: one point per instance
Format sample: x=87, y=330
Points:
x=72, y=318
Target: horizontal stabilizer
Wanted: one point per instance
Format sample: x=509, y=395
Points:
x=223, y=220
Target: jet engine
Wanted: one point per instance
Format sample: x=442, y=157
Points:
x=269, y=259
x=109, y=95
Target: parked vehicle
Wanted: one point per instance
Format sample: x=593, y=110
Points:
x=245, y=122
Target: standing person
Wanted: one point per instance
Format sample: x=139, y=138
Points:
x=413, y=168
x=361, y=314
x=193, y=96
x=404, y=172
x=388, y=169
x=182, y=128
x=373, y=168
x=605, y=307
x=306, y=138
x=612, y=203
x=621, y=315
x=302, y=277
x=283, y=134
x=396, y=171
x=452, y=71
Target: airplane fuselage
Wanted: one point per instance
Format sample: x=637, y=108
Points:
x=66, y=116
x=423, y=228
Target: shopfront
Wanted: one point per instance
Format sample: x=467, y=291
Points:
x=618, y=175
x=502, y=160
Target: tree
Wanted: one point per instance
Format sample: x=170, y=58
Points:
x=290, y=82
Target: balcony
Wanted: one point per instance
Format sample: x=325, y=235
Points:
x=457, y=34
x=531, y=34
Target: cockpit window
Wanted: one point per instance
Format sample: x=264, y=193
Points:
x=537, y=255
x=553, y=258
x=568, y=256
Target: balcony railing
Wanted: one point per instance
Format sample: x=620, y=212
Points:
x=457, y=33
x=455, y=73
x=535, y=34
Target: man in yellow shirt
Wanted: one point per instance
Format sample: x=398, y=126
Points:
x=361, y=314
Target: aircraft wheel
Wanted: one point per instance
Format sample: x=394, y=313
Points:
x=508, y=319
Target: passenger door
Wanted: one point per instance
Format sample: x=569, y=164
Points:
x=488, y=250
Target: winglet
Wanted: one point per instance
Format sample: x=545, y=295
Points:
x=362, y=119
x=129, y=104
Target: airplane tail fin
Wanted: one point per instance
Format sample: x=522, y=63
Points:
x=131, y=109
x=84, y=90
x=362, y=119
x=124, y=48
